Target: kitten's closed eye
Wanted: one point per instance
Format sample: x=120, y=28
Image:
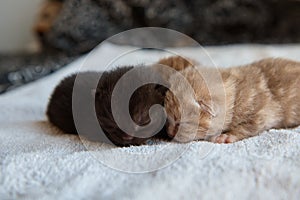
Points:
x=206, y=108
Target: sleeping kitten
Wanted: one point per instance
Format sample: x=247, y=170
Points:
x=259, y=96
x=59, y=110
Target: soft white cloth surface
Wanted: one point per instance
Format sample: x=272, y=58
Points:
x=39, y=162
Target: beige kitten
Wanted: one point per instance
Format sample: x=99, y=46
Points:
x=258, y=97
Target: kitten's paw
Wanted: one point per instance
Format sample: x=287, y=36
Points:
x=224, y=138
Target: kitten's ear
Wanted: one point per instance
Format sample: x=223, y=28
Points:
x=206, y=108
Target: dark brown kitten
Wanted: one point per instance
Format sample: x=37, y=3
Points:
x=60, y=106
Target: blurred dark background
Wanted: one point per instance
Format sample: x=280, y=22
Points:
x=67, y=29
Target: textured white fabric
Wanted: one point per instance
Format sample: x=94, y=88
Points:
x=39, y=162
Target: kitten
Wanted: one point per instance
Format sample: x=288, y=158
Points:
x=59, y=110
x=258, y=97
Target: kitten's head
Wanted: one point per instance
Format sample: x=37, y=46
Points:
x=196, y=106
x=139, y=105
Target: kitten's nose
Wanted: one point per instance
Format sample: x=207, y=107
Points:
x=172, y=130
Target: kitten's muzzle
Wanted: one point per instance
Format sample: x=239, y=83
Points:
x=172, y=129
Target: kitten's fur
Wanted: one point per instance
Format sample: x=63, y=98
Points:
x=259, y=96
x=60, y=106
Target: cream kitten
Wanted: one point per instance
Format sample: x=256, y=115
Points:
x=251, y=99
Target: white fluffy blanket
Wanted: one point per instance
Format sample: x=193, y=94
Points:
x=39, y=162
